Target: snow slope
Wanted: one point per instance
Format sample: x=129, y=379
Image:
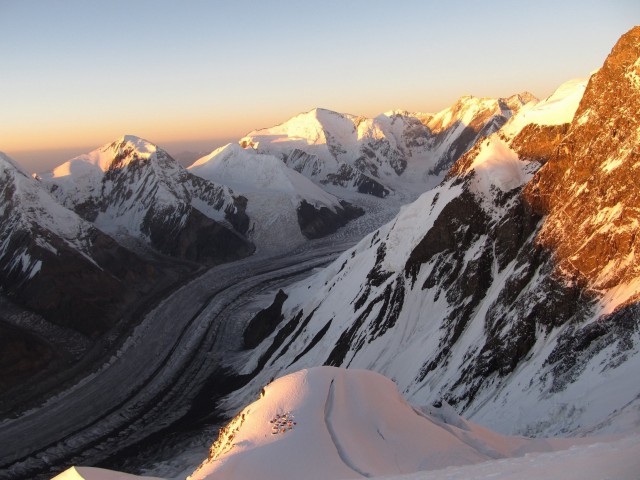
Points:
x=615, y=459
x=274, y=192
x=91, y=473
x=331, y=423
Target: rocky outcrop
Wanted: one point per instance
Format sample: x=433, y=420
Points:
x=589, y=187
x=318, y=222
x=538, y=143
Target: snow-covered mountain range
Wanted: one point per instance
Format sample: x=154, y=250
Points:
x=510, y=290
x=395, y=151
x=507, y=292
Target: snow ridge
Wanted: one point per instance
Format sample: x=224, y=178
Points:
x=395, y=151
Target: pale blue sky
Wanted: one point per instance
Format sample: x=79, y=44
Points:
x=191, y=74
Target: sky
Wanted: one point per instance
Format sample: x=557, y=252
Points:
x=192, y=75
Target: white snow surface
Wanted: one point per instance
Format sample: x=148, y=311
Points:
x=347, y=423
x=497, y=166
x=559, y=108
x=330, y=423
x=246, y=171
x=92, y=473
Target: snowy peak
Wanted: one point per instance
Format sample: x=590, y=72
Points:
x=116, y=154
x=132, y=189
x=316, y=127
x=130, y=146
x=557, y=109
x=330, y=423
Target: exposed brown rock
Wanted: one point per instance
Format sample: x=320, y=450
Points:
x=589, y=187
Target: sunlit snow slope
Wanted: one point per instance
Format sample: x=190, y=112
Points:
x=330, y=423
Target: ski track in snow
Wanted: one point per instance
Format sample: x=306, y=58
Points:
x=342, y=453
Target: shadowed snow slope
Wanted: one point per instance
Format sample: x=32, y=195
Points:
x=330, y=423
x=57, y=264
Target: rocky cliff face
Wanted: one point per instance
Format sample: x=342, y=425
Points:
x=509, y=293
x=589, y=187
